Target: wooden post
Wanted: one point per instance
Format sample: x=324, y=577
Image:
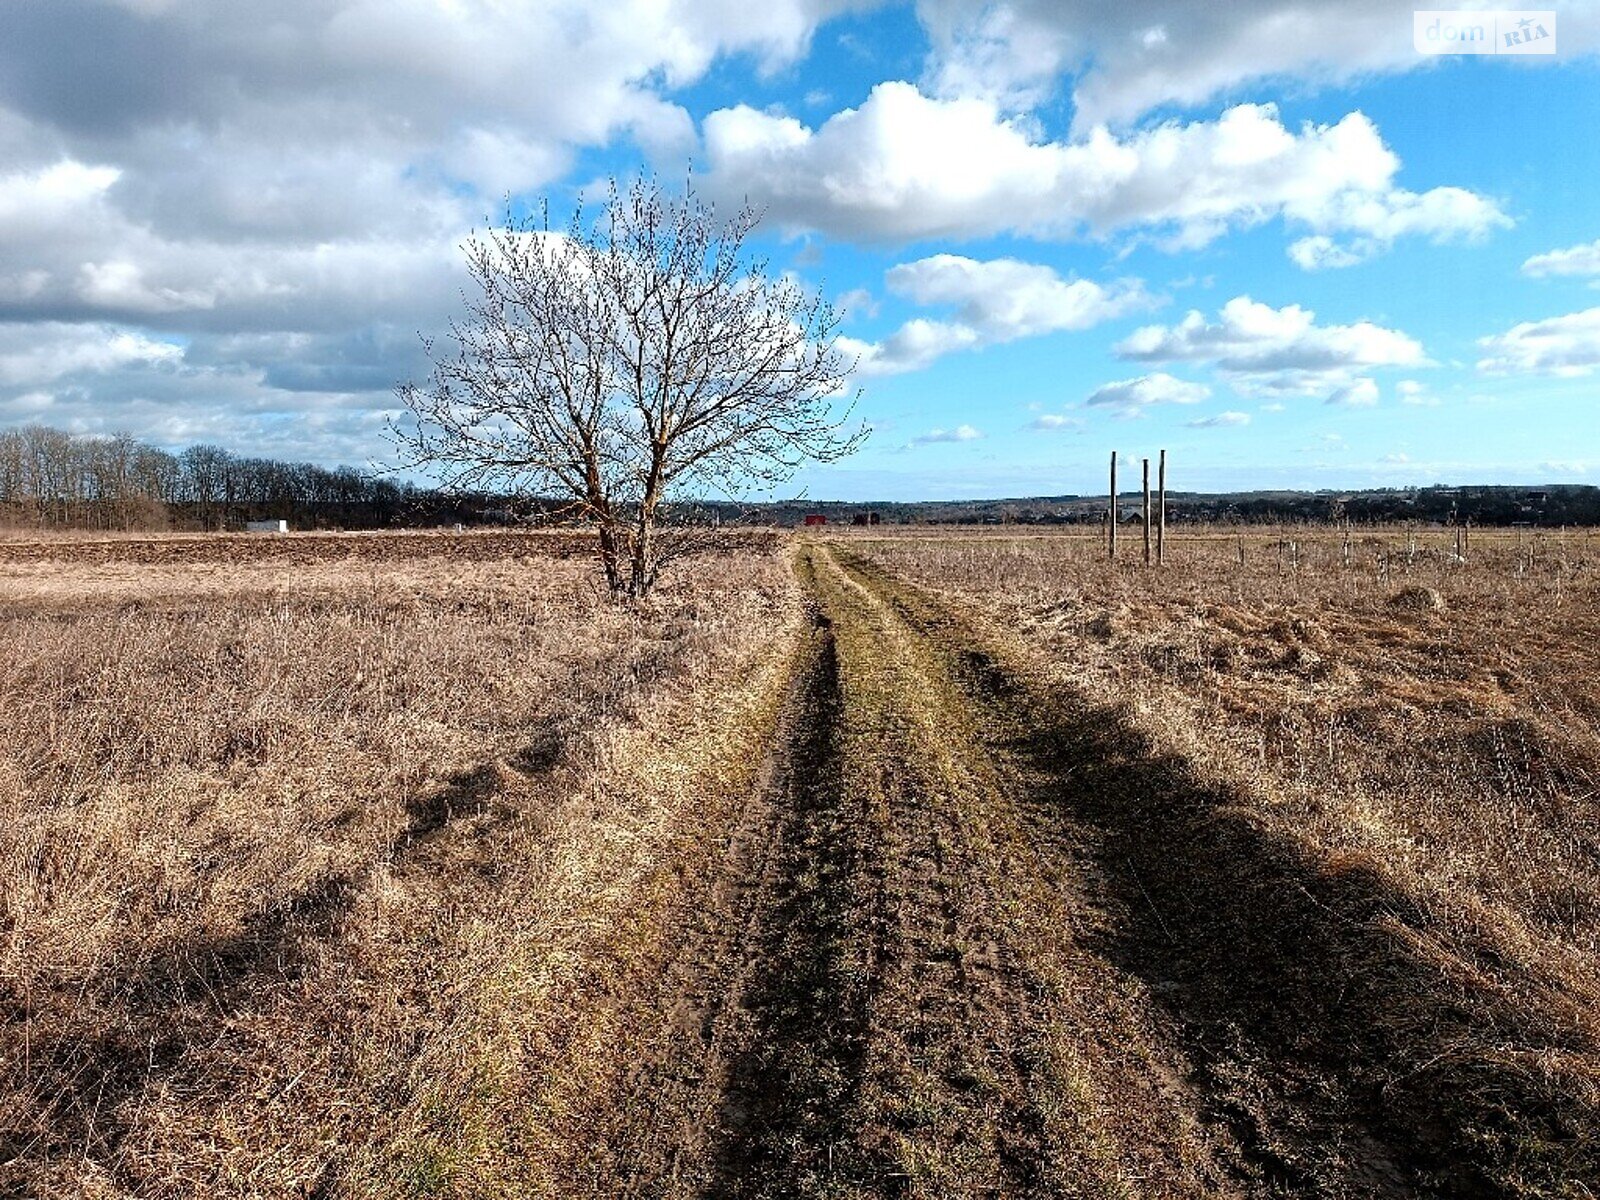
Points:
x=1161, y=515
x=1240, y=536
x=1113, y=510
x=1146, y=511
x=1347, y=543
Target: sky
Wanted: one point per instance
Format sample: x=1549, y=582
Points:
x=1268, y=236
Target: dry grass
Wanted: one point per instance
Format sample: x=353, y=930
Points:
x=405, y=866
x=1443, y=718
x=283, y=840
x=1429, y=723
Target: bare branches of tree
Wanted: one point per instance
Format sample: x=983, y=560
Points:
x=624, y=365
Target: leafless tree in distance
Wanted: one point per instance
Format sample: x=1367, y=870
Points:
x=621, y=365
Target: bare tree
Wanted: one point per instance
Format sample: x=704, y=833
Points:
x=621, y=365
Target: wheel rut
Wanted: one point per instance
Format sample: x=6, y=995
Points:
x=1292, y=997
x=968, y=940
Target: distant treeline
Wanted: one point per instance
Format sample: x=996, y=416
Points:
x=52, y=478
x=1556, y=504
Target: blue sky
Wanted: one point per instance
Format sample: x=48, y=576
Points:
x=1271, y=238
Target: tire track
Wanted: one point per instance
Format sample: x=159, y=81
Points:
x=1003, y=1058
x=881, y=990
x=1332, y=1053
x=748, y=1091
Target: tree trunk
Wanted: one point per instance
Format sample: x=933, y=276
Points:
x=643, y=574
x=611, y=557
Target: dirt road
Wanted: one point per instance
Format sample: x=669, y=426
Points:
x=973, y=940
x=887, y=987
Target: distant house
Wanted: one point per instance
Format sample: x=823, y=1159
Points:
x=266, y=527
x=815, y=519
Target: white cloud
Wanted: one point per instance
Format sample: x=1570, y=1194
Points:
x=912, y=347
x=42, y=353
x=1415, y=393
x=1396, y=459
x=1133, y=396
x=1371, y=222
x=1259, y=348
x=1004, y=299
x=78, y=255
x=31, y=200
x=961, y=433
x=994, y=302
x=186, y=166
x=1574, y=260
x=1568, y=346
x=856, y=304
x=1220, y=420
x=1321, y=252
x=1054, y=421
x=904, y=166
x=1132, y=57
x=1358, y=393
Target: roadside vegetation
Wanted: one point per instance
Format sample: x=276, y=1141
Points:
x=297, y=858
x=1372, y=835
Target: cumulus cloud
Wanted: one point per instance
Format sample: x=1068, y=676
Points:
x=1222, y=420
x=102, y=379
x=1133, y=396
x=1358, y=393
x=905, y=166
x=1574, y=260
x=294, y=190
x=43, y=353
x=993, y=302
x=1320, y=252
x=1566, y=346
x=1129, y=58
x=856, y=304
x=74, y=254
x=1004, y=299
x=1261, y=349
x=912, y=347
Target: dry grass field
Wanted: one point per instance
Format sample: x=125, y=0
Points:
x=926, y=864
x=292, y=847
x=1354, y=795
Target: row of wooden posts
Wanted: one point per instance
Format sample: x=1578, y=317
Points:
x=1156, y=521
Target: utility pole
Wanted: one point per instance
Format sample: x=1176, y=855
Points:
x=1112, y=511
x=1161, y=515
x=1146, y=512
